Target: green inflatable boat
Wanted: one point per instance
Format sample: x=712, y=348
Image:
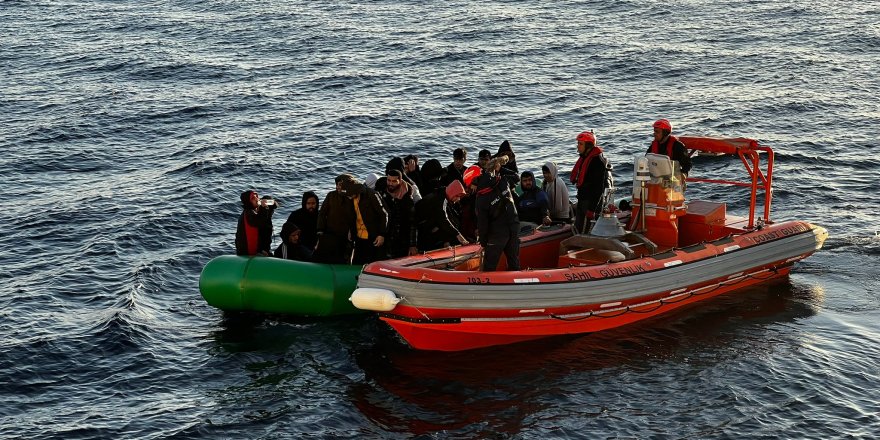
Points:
x=273, y=285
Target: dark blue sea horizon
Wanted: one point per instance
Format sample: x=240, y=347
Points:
x=130, y=128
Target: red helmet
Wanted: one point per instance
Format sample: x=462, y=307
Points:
x=663, y=124
x=471, y=173
x=587, y=136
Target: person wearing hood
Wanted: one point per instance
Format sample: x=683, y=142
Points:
x=398, y=201
x=371, y=180
x=435, y=230
x=412, y=171
x=334, y=220
x=589, y=175
x=370, y=222
x=510, y=167
x=433, y=175
x=306, y=219
x=557, y=193
x=497, y=219
x=291, y=248
x=533, y=205
x=254, y=233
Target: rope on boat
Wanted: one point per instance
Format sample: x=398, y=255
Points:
x=636, y=308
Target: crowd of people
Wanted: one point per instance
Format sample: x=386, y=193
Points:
x=413, y=209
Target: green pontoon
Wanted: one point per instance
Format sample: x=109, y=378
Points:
x=273, y=285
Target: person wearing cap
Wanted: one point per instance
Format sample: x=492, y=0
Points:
x=254, y=233
x=557, y=193
x=533, y=205
x=370, y=222
x=398, y=201
x=589, y=177
x=291, y=248
x=435, y=230
x=334, y=225
x=667, y=144
x=306, y=219
x=497, y=219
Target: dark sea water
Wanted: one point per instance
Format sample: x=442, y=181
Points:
x=129, y=128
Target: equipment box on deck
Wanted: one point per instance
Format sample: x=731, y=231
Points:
x=704, y=221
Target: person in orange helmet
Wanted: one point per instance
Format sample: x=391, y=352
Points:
x=589, y=177
x=667, y=144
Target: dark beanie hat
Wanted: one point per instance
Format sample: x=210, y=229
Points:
x=485, y=154
x=527, y=174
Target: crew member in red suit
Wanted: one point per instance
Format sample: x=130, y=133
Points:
x=589, y=177
x=665, y=143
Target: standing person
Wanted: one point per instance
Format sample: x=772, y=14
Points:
x=396, y=163
x=589, y=176
x=254, y=233
x=483, y=158
x=533, y=205
x=433, y=175
x=306, y=219
x=435, y=230
x=412, y=171
x=665, y=143
x=497, y=221
x=398, y=201
x=334, y=225
x=455, y=170
x=557, y=193
x=291, y=248
x=371, y=221
x=510, y=167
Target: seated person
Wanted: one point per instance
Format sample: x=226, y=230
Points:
x=533, y=205
x=290, y=247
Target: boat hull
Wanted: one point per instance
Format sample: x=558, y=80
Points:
x=458, y=310
x=273, y=285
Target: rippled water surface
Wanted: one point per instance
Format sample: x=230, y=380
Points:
x=129, y=129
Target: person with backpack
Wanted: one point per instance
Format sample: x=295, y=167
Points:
x=591, y=176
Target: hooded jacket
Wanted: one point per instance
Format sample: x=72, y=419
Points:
x=292, y=251
x=557, y=194
x=261, y=219
x=306, y=221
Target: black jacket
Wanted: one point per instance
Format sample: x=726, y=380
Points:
x=306, y=222
x=262, y=220
x=401, y=223
x=496, y=211
x=434, y=227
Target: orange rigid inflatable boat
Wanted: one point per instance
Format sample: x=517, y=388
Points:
x=671, y=253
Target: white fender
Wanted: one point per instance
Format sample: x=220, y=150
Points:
x=377, y=300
